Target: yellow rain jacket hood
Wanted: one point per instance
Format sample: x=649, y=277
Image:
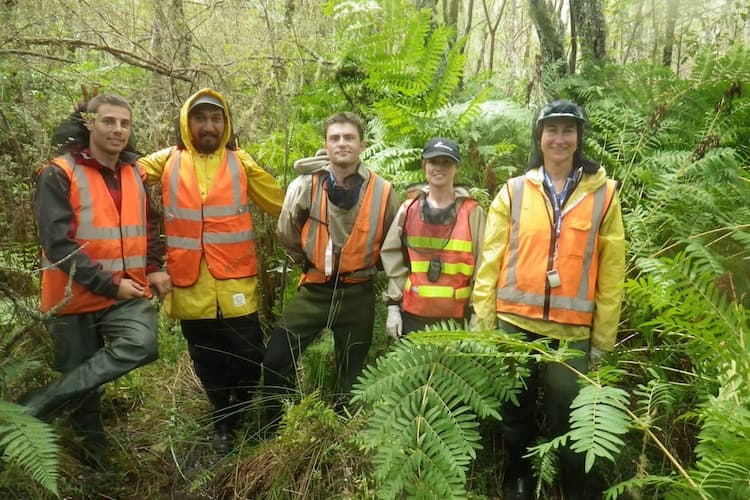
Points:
x=184, y=137
x=235, y=296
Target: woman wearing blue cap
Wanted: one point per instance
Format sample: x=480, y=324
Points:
x=430, y=253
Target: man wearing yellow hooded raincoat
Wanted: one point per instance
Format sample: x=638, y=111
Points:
x=207, y=186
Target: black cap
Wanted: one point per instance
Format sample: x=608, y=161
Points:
x=561, y=108
x=441, y=146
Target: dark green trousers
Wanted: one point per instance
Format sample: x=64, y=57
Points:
x=559, y=387
x=349, y=311
x=92, y=349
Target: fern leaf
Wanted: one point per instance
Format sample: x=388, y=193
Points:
x=597, y=418
x=426, y=397
x=30, y=444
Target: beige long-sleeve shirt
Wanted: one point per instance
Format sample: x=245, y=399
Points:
x=296, y=210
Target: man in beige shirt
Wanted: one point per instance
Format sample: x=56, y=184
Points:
x=332, y=223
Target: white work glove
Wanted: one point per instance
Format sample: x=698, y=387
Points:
x=393, y=323
x=473, y=327
x=595, y=355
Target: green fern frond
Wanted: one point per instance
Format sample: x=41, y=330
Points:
x=653, y=397
x=597, y=418
x=721, y=477
x=637, y=484
x=30, y=444
x=426, y=399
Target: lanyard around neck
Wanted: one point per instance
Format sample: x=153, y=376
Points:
x=558, y=200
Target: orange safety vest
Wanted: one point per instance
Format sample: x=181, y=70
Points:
x=523, y=288
x=452, y=244
x=361, y=251
x=116, y=240
x=219, y=228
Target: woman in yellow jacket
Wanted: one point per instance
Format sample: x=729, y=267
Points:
x=552, y=266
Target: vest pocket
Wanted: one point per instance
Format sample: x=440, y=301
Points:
x=576, y=239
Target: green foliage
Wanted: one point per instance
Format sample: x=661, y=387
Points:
x=314, y=456
x=597, y=418
x=426, y=399
x=29, y=444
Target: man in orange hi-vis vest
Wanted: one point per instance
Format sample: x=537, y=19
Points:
x=333, y=223
x=553, y=266
x=101, y=254
x=432, y=248
x=207, y=185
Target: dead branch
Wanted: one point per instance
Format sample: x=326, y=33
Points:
x=123, y=55
x=35, y=54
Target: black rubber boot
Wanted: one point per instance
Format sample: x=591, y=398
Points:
x=222, y=439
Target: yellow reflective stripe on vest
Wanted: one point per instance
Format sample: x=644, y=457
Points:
x=418, y=242
x=422, y=266
x=438, y=292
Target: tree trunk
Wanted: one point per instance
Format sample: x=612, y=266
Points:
x=171, y=38
x=588, y=16
x=450, y=13
x=469, y=18
x=492, y=28
x=572, y=60
x=666, y=57
x=550, y=38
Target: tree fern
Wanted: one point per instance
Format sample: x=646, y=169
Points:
x=30, y=444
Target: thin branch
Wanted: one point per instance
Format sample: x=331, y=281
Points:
x=35, y=54
x=123, y=55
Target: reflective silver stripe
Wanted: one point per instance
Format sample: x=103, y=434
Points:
x=225, y=210
x=315, y=215
x=237, y=237
x=516, y=186
x=172, y=210
x=190, y=214
x=109, y=233
x=510, y=293
x=600, y=196
x=377, y=199
x=117, y=264
x=234, y=170
x=183, y=242
x=108, y=264
x=86, y=228
x=537, y=299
